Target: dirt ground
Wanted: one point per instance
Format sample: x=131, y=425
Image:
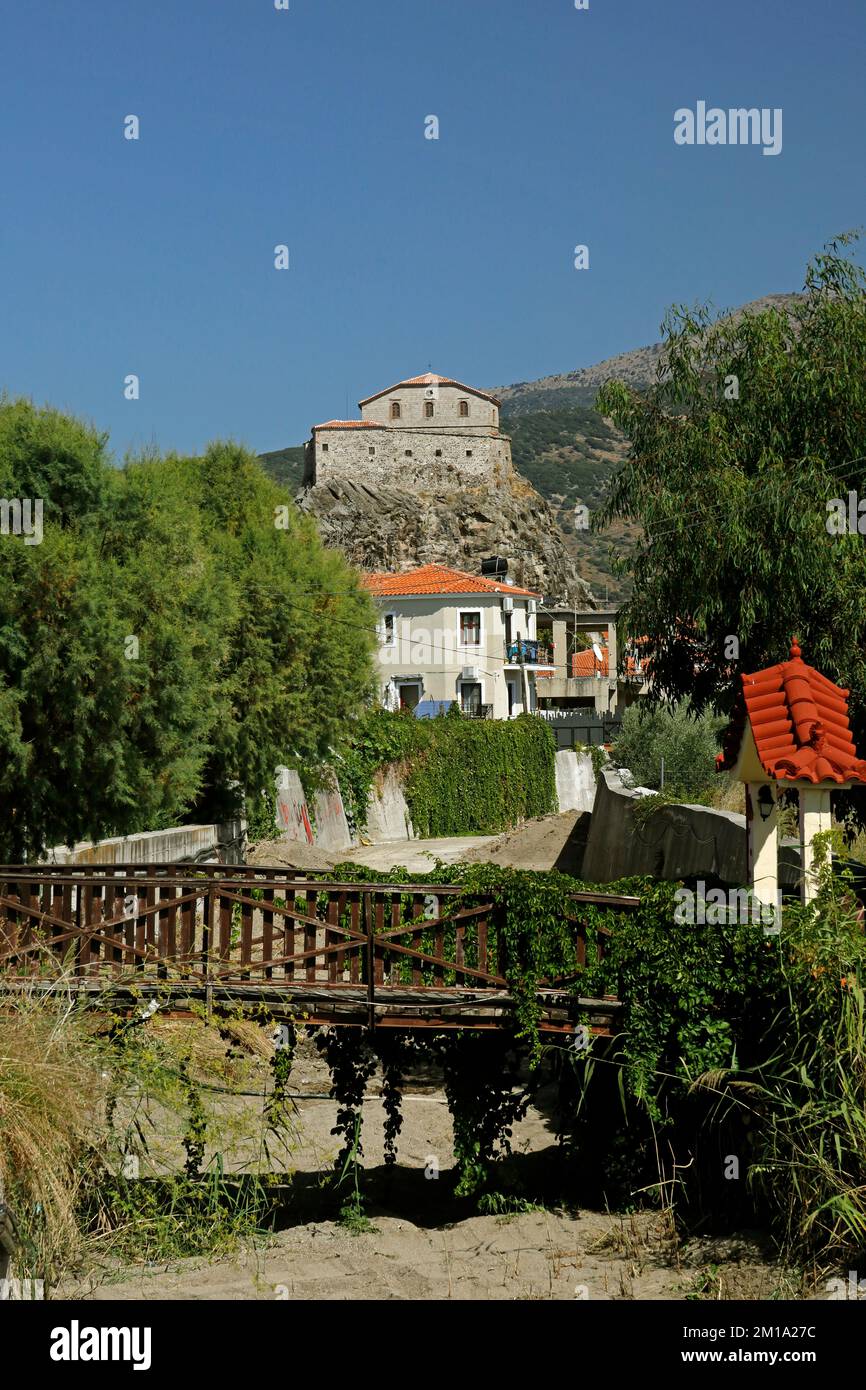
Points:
x=417, y=1248
x=547, y=842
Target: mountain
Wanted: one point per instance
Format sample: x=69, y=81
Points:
x=637, y=368
x=568, y=454
x=286, y=466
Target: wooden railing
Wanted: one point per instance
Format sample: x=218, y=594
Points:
x=382, y=954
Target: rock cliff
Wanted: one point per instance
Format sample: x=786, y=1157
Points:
x=394, y=528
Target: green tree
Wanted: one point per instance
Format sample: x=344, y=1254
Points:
x=756, y=423
x=102, y=727
x=295, y=664
x=166, y=644
x=688, y=744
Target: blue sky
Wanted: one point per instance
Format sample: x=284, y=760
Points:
x=306, y=127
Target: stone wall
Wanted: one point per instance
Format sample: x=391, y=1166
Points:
x=445, y=400
x=413, y=458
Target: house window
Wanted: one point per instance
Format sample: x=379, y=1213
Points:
x=324, y=448
x=439, y=453
x=389, y=629
x=395, y=410
x=463, y=409
x=408, y=453
x=470, y=629
x=371, y=449
x=409, y=695
x=428, y=409
x=469, y=453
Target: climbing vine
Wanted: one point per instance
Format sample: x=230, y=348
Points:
x=461, y=776
x=485, y=1098
x=351, y=1063
x=279, y=1108
x=195, y=1136
x=394, y=1054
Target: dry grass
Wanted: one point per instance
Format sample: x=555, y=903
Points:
x=51, y=1086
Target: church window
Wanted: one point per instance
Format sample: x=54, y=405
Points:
x=428, y=409
x=395, y=410
x=463, y=409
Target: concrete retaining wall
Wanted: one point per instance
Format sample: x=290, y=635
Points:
x=575, y=780
x=154, y=846
x=387, y=811
x=293, y=818
x=330, y=826
x=676, y=842
x=327, y=826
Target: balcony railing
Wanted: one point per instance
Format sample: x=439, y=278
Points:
x=527, y=652
x=477, y=711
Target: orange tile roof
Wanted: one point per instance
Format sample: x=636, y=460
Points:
x=431, y=379
x=799, y=720
x=586, y=663
x=351, y=425
x=439, y=579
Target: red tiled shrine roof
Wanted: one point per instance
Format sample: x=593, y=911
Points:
x=799, y=721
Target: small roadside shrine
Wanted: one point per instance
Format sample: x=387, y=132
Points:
x=791, y=730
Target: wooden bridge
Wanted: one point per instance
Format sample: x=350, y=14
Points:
x=376, y=955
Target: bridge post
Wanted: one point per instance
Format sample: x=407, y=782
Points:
x=369, y=928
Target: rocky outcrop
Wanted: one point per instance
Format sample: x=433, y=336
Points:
x=393, y=528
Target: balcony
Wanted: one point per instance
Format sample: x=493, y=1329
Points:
x=528, y=652
x=473, y=711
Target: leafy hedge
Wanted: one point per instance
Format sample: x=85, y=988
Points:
x=460, y=776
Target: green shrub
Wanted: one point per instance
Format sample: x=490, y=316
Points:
x=688, y=744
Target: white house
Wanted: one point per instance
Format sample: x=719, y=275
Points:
x=446, y=635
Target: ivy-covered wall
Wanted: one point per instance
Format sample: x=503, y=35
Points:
x=460, y=776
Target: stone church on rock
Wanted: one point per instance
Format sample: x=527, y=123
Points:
x=426, y=431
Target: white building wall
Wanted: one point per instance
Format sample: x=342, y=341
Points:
x=427, y=647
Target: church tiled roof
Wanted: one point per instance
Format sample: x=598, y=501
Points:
x=799, y=721
x=351, y=425
x=430, y=379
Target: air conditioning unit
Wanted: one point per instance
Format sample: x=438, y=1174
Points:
x=508, y=604
x=531, y=605
x=469, y=673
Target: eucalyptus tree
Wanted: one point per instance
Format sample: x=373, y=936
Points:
x=746, y=469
